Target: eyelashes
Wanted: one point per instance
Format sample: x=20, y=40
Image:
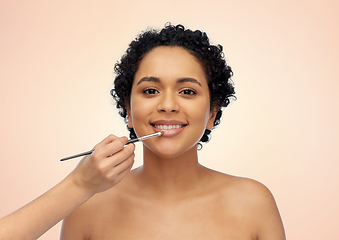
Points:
x=152, y=91
x=188, y=92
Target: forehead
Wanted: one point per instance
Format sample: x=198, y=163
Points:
x=170, y=62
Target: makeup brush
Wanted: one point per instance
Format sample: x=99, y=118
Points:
x=129, y=141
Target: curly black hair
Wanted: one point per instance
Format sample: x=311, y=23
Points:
x=197, y=43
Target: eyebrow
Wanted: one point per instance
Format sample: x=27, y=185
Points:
x=157, y=80
x=148, y=79
x=192, y=80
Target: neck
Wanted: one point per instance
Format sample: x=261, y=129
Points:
x=171, y=177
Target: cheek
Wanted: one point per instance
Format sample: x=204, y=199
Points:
x=140, y=109
x=200, y=111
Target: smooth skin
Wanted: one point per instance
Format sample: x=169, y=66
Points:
x=172, y=196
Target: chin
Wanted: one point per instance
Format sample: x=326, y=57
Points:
x=169, y=150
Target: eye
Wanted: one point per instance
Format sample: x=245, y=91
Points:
x=188, y=92
x=150, y=91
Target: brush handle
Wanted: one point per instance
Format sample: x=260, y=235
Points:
x=77, y=155
x=133, y=140
x=129, y=141
x=90, y=152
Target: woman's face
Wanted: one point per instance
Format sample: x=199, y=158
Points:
x=170, y=94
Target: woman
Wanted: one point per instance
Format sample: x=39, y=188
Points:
x=172, y=81
x=176, y=82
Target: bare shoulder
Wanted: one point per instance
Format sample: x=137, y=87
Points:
x=249, y=190
x=240, y=186
x=254, y=202
x=92, y=219
x=81, y=223
x=76, y=225
x=73, y=224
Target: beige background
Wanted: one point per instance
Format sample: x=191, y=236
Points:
x=56, y=60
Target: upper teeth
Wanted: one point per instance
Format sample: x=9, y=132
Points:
x=168, y=126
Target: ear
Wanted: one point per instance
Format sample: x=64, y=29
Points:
x=213, y=114
x=129, y=116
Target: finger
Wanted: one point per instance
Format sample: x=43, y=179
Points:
x=124, y=167
x=109, y=149
x=124, y=154
x=109, y=163
x=121, y=170
x=117, y=166
x=110, y=138
x=114, y=147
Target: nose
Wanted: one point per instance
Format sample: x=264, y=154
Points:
x=168, y=103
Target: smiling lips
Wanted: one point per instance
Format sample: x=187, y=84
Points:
x=169, y=127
